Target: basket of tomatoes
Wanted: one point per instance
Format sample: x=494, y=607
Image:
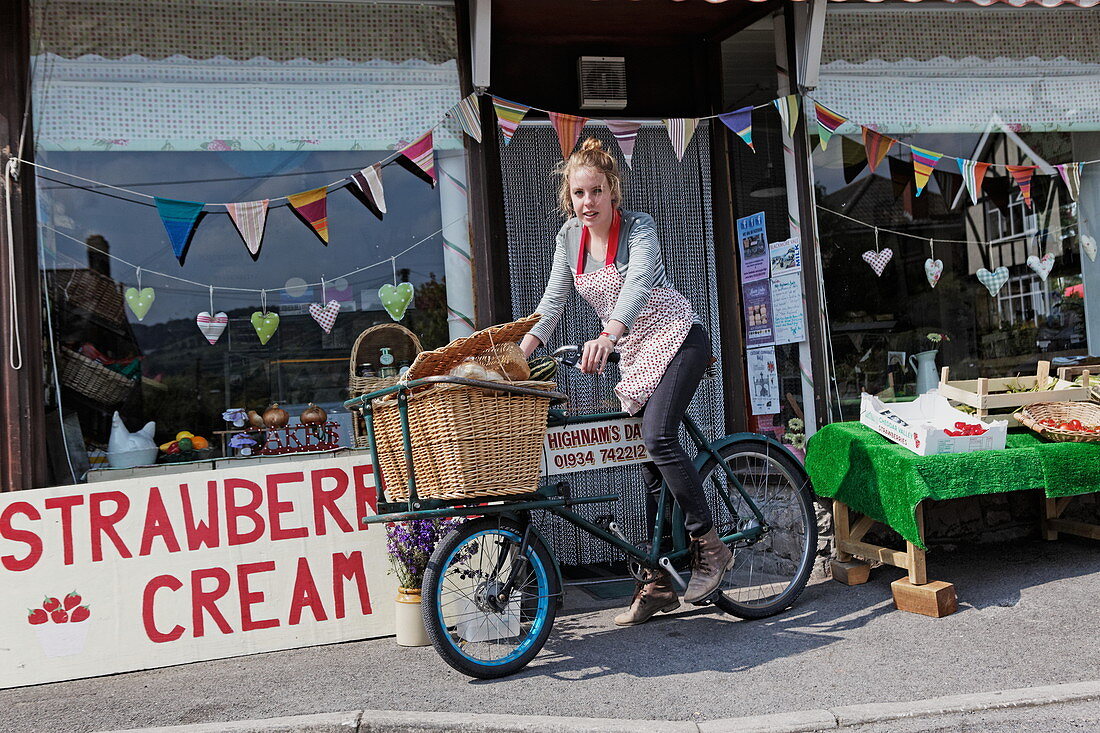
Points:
x=1067, y=422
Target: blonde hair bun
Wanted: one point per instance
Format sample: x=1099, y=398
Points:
x=591, y=144
x=591, y=154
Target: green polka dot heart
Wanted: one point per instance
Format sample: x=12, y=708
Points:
x=396, y=300
x=140, y=301
x=266, y=324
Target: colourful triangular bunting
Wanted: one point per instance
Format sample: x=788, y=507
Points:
x=924, y=162
x=625, y=132
x=368, y=189
x=973, y=173
x=312, y=207
x=877, y=146
x=1022, y=175
x=827, y=123
x=568, y=128
x=468, y=114
x=788, y=111
x=1071, y=176
x=949, y=184
x=854, y=157
x=418, y=157
x=509, y=115
x=740, y=121
x=901, y=175
x=249, y=218
x=680, y=130
x=179, y=219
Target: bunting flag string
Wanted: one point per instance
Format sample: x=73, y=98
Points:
x=418, y=157
x=179, y=218
x=249, y=218
x=740, y=121
x=1022, y=175
x=568, y=128
x=680, y=132
x=468, y=115
x=827, y=123
x=312, y=208
x=1071, y=176
x=924, y=162
x=625, y=132
x=788, y=112
x=368, y=187
x=509, y=115
x=877, y=146
x=973, y=173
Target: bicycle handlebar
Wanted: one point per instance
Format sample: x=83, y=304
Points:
x=571, y=354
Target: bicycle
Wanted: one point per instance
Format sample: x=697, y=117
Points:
x=492, y=587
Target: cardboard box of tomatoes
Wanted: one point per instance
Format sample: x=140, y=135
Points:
x=930, y=426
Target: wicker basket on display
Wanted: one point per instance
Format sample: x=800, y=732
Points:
x=467, y=442
x=402, y=343
x=90, y=291
x=1062, y=412
x=91, y=379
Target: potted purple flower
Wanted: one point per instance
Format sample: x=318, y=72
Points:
x=410, y=545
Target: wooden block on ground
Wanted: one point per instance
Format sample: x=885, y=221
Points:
x=853, y=572
x=936, y=598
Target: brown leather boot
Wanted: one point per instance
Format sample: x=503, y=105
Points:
x=649, y=599
x=711, y=560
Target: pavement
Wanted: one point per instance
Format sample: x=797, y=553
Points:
x=1020, y=654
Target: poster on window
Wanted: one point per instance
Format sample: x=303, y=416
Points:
x=786, y=256
x=758, y=314
x=788, y=315
x=752, y=240
x=763, y=381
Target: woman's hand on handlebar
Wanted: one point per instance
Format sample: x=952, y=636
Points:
x=595, y=354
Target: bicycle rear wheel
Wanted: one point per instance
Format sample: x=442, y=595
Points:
x=470, y=627
x=769, y=573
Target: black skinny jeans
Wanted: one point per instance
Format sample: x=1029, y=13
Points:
x=661, y=418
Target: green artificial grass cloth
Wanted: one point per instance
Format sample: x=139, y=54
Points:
x=885, y=481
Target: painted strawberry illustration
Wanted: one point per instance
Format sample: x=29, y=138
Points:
x=72, y=601
x=60, y=616
x=51, y=604
x=80, y=613
x=37, y=616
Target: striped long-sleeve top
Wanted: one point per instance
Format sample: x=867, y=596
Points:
x=638, y=261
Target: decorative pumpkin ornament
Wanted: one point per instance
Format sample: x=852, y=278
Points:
x=543, y=368
x=276, y=417
x=313, y=415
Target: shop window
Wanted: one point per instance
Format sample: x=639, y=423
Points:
x=1018, y=222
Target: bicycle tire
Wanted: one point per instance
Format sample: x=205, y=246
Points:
x=790, y=490
x=452, y=582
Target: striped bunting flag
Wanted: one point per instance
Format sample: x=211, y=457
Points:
x=468, y=114
x=680, y=130
x=179, y=219
x=625, y=132
x=827, y=123
x=740, y=121
x=788, y=111
x=418, y=158
x=569, y=129
x=877, y=146
x=368, y=183
x=509, y=115
x=973, y=173
x=1071, y=176
x=1022, y=175
x=924, y=162
x=312, y=207
x=249, y=218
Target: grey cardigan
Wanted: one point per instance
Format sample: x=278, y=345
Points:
x=638, y=261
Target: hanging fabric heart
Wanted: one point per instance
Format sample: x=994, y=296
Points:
x=325, y=315
x=933, y=269
x=1041, y=265
x=993, y=281
x=140, y=301
x=878, y=260
x=212, y=326
x=1088, y=246
x=396, y=299
x=266, y=324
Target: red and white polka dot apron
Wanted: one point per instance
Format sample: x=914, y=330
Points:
x=657, y=334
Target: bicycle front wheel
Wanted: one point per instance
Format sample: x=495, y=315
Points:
x=769, y=573
x=476, y=623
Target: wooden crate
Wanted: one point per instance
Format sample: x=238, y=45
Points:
x=1070, y=373
x=992, y=400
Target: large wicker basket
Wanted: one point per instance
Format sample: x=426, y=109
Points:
x=89, y=291
x=467, y=442
x=91, y=379
x=402, y=343
x=1061, y=412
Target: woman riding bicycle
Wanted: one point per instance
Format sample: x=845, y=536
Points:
x=612, y=257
